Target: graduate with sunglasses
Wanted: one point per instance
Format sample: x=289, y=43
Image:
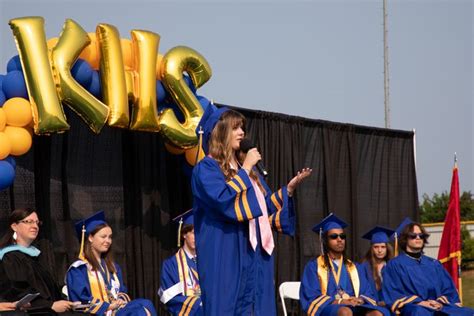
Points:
x=414, y=284
x=332, y=284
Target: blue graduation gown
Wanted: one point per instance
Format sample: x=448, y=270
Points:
x=235, y=279
x=367, y=270
x=318, y=290
x=87, y=286
x=176, y=271
x=408, y=281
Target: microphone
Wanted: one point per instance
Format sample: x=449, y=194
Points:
x=245, y=145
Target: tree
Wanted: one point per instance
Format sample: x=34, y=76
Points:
x=433, y=209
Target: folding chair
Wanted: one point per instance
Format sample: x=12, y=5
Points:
x=289, y=290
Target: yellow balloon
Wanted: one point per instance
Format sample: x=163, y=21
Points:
x=144, y=114
x=174, y=150
x=126, y=46
x=91, y=53
x=3, y=120
x=175, y=62
x=192, y=156
x=18, y=112
x=71, y=42
x=52, y=42
x=112, y=74
x=5, y=146
x=159, y=60
x=20, y=140
x=48, y=114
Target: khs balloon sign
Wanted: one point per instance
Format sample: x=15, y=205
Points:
x=129, y=71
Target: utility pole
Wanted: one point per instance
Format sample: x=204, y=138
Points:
x=386, y=78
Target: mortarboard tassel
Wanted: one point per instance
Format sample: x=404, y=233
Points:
x=201, y=132
x=81, y=249
x=396, y=244
x=179, y=232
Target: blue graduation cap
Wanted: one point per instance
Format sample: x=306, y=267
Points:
x=85, y=226
x=378, y=234
x=207, y=123
x=186, y=218
x=406, y=221
x=329, y=222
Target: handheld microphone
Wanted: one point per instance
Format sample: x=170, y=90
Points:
x=245, y=145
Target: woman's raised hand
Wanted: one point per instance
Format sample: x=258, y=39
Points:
x=303, y=173
x=253, y=156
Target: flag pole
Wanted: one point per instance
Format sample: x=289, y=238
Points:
x=460, y=251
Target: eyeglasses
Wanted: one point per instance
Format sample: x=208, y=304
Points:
x=334, y=236
x=31, y=222
x=414, y=235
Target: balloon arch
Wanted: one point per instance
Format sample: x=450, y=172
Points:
x=104, y=79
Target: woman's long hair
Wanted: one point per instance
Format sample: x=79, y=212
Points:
x=370, y=258
x=220, y=147
x=107, y=256
x=403, y=239
x=15, y=217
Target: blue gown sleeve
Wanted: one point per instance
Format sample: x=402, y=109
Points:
x=449, y=294
x=311, y=299
x=232, y=200
x=179, y=304
x=281, y=211
x=393, y=288
x=123, y=289
x=366, y=291
x=78, y=288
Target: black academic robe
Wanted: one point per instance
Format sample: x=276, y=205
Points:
x=21, y=274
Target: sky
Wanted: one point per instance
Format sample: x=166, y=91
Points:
x=315, y=59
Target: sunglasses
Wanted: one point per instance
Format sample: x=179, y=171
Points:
x=334, y=236
x=420, y=235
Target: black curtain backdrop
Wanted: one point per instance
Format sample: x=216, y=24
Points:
x=365, y=175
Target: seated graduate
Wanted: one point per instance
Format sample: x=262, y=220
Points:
x=415, y=284
x=95, y=278
x=180, y=289
x=379, y=253
x=21, y=269
x=332, y=284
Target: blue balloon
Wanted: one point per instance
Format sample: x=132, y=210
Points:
x=1, y=81
x=3, y=98
x=11, y=161
x=82, y=72
x=204, y=102
x=7, y=175
x=190, y=84
x=14, y=85
x=14, y=64
x=160, y=91
x=94, y=87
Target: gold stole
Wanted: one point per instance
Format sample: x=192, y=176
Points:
x=97, y=284
x=323, y=275
x=183, y=271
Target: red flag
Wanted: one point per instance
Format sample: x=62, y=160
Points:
x=450, y=248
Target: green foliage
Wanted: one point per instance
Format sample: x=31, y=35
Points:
x=434, y=209
x=467, y=248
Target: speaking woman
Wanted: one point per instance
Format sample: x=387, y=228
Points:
x=95, y=279
x=234, y=213
x=21, y=270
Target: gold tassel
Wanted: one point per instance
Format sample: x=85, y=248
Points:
x=201, y=132
x=179, y=232
x=81, y=250
x=396, y=244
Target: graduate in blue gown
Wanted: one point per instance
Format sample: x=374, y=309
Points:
x=414, y=284
x=180, y=290
x=95, y=279
x=234, y=212
x=379, y=253
x=332, y=284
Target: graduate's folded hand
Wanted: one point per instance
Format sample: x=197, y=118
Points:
x=429, y=304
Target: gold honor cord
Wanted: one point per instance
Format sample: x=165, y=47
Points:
x=339, y=270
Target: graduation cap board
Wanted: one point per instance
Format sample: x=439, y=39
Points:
x=207, y=123
x=85, y=226
x=186, y=218
x=378, y=235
